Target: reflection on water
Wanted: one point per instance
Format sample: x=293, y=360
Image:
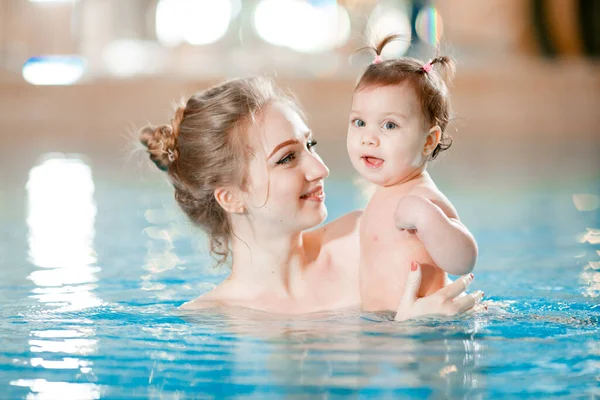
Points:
x=60, y=216
x=592, y=236
x=320, y=354
x=67, y=341
x=61, y=213
x=160, y=256
x=61, y=341
x=590, y=278
x=43, y=390
x=586, y=202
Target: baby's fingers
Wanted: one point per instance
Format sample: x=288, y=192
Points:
x=467, y=302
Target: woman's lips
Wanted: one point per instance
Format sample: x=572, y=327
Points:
x=316, y=195
x=372, y=162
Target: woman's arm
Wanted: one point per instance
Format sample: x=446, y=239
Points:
x=450, y=244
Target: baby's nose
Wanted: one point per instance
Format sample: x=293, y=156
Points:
x=368, y=139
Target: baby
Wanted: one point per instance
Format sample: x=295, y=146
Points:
x=400, y=111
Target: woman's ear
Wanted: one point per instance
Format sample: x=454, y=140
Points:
x=433, y=139
x=230, y=200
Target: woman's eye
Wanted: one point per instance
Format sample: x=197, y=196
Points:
x=287, y=159
x=310, y=144
x=359, y=123
x=389, y=125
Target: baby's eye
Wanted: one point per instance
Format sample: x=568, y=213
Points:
x=359, y=123
x=288, y=159
x=310, y=144
x=389, y=125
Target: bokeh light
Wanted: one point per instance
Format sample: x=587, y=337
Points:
x=53, y=1
x=54, y=69
x=429, y=25
x=302, y=26
x=197, y=22
x=236, y=8
x=130, y=57
x=386, y=20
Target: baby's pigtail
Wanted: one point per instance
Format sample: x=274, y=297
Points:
x=447, y=68
x=378, y=47
x=385, y=41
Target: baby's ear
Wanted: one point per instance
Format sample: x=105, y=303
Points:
x=229, y=199
x=433, y=139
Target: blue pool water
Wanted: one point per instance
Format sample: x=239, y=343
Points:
x=91, y=274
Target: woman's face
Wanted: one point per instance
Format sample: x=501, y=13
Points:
x=285, y=190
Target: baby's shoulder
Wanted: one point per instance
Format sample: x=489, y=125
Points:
x=438, y=198
x=427, y=191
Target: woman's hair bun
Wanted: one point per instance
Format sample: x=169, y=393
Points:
x=161, y=140
x=161, y=144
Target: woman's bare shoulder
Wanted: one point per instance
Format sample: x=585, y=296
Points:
x=201, y=303
x=344, y=227
x=339, y=241
x=216, y=297
x=221, y=307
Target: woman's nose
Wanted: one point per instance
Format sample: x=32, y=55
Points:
x=317, y=169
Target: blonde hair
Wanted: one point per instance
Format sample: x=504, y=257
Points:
x=206, y=146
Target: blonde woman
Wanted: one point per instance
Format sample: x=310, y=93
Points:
x=244, y=167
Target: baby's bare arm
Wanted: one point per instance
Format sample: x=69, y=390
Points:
x=447, y=240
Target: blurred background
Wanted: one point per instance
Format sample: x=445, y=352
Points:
x=80, y=76
x=78, y=79
x=91, y=240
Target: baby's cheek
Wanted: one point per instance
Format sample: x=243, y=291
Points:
x=349, y=146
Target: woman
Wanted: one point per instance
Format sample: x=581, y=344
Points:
x=244, y=167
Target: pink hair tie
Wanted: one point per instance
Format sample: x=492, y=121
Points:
x=377, y=59
x=427, y=67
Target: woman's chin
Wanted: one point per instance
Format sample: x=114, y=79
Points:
x=323, y=214
x=317, y=217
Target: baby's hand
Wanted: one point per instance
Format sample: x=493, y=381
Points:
x=410, y=212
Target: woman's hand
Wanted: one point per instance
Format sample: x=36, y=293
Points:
x=443, y=302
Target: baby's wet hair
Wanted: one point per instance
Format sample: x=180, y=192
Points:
x=429, y=79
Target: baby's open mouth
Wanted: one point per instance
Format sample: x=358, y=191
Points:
x=372, y=162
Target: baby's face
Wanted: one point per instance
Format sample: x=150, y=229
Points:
x=386, y=134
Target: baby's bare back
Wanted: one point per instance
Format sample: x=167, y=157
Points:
x=386, y=254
